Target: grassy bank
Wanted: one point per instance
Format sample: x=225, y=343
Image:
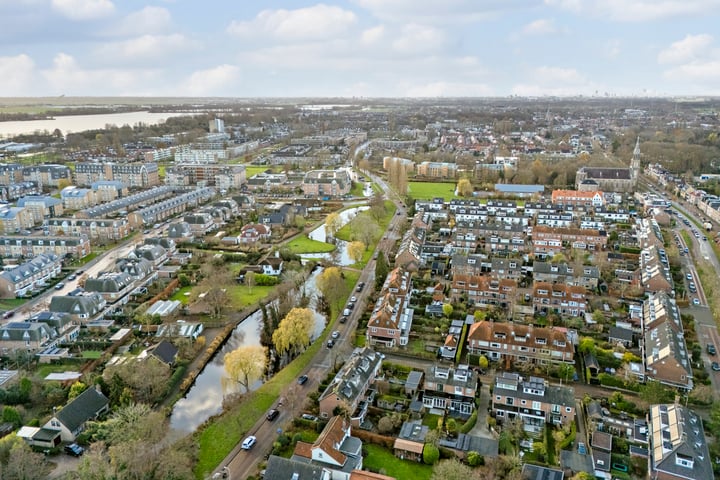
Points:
x=346, y=232
x=303, y=244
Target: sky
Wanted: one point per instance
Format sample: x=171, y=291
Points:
x=359, y=48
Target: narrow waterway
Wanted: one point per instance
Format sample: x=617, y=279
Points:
x=212, y=386
x=339, y=256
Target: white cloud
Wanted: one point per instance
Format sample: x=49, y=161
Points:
x=612, y=49
x=373, y=35
x=637, y=10
x=311, y=23
x=418, y=39
x=220, y=80
x=149, y=19
x=540, y=26
x=555, y=81
x=67, y=76
x=689, y=48
x=697, y=72
x=445, y=12
x=84, y=9
x=16, y=75
x=148, y=47
x=449, y=89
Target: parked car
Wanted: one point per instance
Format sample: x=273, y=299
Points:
x=72, y=276
x=335, y=334
x=307, y=416
x=715, y=366
x=346, y=312
x=582, y=449
x=711, y=349
x=302, y=379
x=249, y=442
x=330, y=343
x=353, y=299
x=696, y=301
x=343, y=319
x=59, y=286
x=272, y=414
x=689, y=276
x=74, y=449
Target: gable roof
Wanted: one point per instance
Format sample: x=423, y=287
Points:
x=165, y=352
x=279, y=468
x=82, y=408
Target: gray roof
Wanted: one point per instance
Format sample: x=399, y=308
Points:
x=620, y=333
x=576, y=462
x=30, y=268
x=536, y=472
x=512, y=188
x=414, y=430
x=279, y=468
x=82, y=408
x=26, y=331
x=88, y=303
x=108, y=282
x=179, y=230
x=135, y=267
x=165, y=351
x=552, y=394
x=32, y=199
x=602, y=173
x=351, y=380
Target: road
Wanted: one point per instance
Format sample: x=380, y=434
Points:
x=241, y=464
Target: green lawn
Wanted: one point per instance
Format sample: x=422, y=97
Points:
x=303, y=244
x=11, y=303
x=180, y=294
x=251, y=170
x=242, y=296
x=382, y=458
x=428, y=191
x=345, y=233
x=46, y=369
x=92, y=354
x=430, y=420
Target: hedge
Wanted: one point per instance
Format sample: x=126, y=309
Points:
x=470, y=423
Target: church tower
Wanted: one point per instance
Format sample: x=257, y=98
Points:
x=635, y=162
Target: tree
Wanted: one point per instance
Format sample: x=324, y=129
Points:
x=364, y=229
x=364, y=165
x=294, y=330
x=331, y=285
x=431, y=454
x=464, y=188
x=24, y=464
x=246, y=364
x=447, y=309
x=250, y=280
x=655, y=392
x=333, y=223
x=565, y=370
x=386, y=425
x=356, y=250
x=217, y=300
x=483, y=362
x=377, y=206
x=381, y=269
x=587, y=345
x=451, y=470
x=474, y=458
x=76, y=389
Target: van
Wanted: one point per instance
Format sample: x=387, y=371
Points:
x=346, y=312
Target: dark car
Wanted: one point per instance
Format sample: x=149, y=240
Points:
x=715, y=366
x=330, y=343
x=74, y=449
x=711, y=349
x=302, y=379
x=272, y=414
x=343, y=319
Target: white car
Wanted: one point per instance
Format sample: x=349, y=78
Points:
x=336, y=334
x=249, y=442
x=353, y=299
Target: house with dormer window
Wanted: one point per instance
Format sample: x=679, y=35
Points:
x=451, y=389
x=335, y=449
x=30, y=276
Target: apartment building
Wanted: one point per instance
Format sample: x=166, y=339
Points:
x=109, y=190
x=27, y=246
x=41, y=207
x=578, y=198
x=47, y=175
x=10, y=173
x=331, y=183
x=533, y=401
x=98, y=230
x=437, y=169
x=74, y=198
x=133, y=175
x=483, y=290
x=15, y=219
x=586, y=276
x=204, y=174
x=30, y=276
x=548, y=240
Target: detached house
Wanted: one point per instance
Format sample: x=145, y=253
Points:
x=451, y=389
x=335, y=449
x=83, y=306
x=350, y=389
x=25, y=336
x=254, y=233
x=534, y=401
x=71, y=419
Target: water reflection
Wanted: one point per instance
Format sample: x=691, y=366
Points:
x=205, y=397
x=340, y=255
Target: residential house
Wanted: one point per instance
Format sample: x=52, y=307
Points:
x=280, y=468
x=164, y=351
x=82, y=306
x=335, y=449
x=586, y=276
x=655, y=273
x=253, y=233
x=155, y=254
x=350, y=389
x=451, y=389
x=71, y=419
x=537, y=472
x=532, y=400
x=623, y=336
x=484, y=291
x=25, y=336
x=134, y=175
x=113, y=286
x=472, y=264
x=41, y=206
x=180, y=232
x=200, y=223
x=30, y=276
x=17, y=246
x=561, y=299
x=109, y=190
x=272, y=266
x=665, y=355
x=74, y=198
x=547, y=241
x=509, y=342
x=330, y=183
x=391, y=320
x=678, y=447
x=410, y=441
x=578, y=198
x=171, y=207
x=98, y=230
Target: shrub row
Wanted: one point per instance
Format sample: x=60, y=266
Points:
x=470, y=423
